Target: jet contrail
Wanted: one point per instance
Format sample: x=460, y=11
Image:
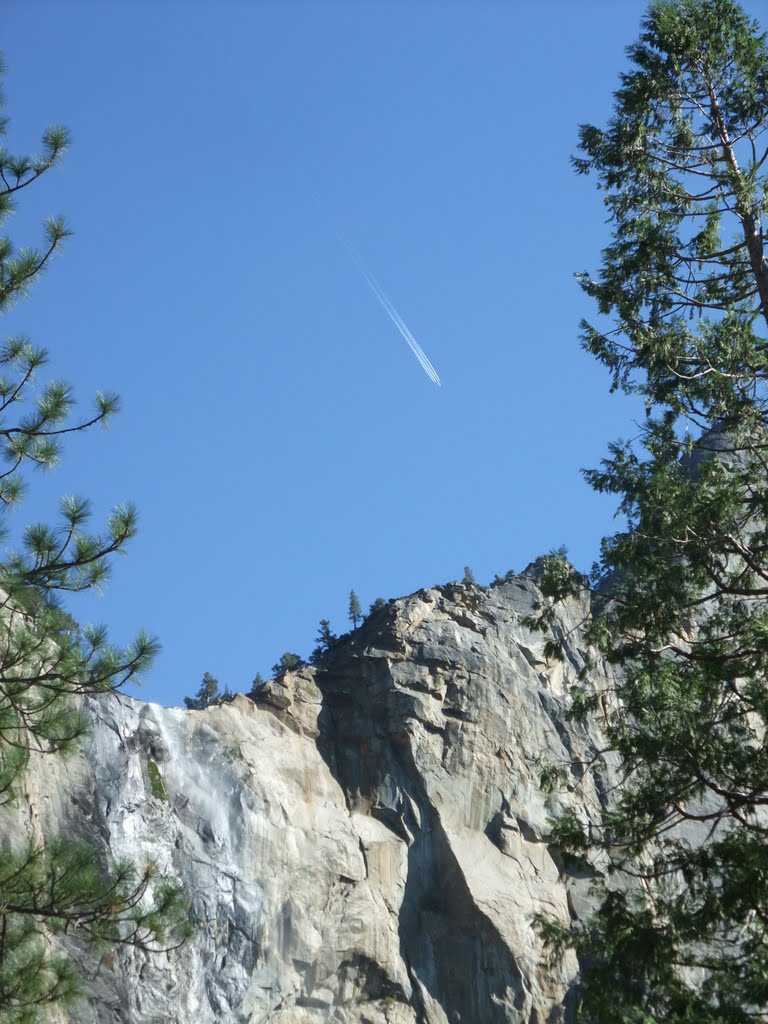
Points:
x=393, y=315
x=400, y=324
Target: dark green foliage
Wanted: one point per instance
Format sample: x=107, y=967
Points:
x=47, y=661
x=20, y=267
x=683, y=293
x=256, y=685
x=377, y=606
x=325, y=639
x=63, y=885
x=683, y=279
x=499, y=581
x=288, y=662
x=207, y=694
x=557, y=580
x=355, y=611
x=37, y=677
x=325, y=636
x=469, y=577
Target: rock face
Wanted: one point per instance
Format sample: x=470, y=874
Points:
x=367, y=843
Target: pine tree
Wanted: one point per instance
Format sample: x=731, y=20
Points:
x=288, y=662
x=256, y=685
x=325, y=639
x=468, y=579
x=47, y=661
x=682, y=296
x=355, y=611
x=207, y=694
x=325, y=636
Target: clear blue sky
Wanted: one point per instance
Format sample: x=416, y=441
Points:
x=280, y=439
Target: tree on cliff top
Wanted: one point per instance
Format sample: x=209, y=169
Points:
x=47, y=660
x=324, y=640
x=289, y=662
x=207, y=694
x=682, y=299
x=354, y=610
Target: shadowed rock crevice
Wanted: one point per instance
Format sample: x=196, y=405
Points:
x=454, y=954
x=455, y=681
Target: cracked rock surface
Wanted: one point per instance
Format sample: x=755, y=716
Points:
x=366, y=844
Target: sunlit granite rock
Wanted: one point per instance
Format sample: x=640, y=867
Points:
x=366, y=843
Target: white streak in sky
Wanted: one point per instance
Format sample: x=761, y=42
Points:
x=394, y=316
x=400, y=324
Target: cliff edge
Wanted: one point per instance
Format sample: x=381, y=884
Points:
x=365, y=844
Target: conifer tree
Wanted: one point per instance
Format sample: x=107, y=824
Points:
x=287, y=663
x=256, y=686
x=325, y=639
x=47, y=661
x=325, y=635
x=207, y=694
x=355, y=611
x=682, y=299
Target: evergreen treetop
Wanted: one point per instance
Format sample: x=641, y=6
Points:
x=324, y=640
x=684, y=282
x=256, y=685
x=354, y=610
x=288, y=662
x=207, y=694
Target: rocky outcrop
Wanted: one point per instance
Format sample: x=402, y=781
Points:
x=366, y=843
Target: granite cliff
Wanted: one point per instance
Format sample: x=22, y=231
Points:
x=365, y=843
